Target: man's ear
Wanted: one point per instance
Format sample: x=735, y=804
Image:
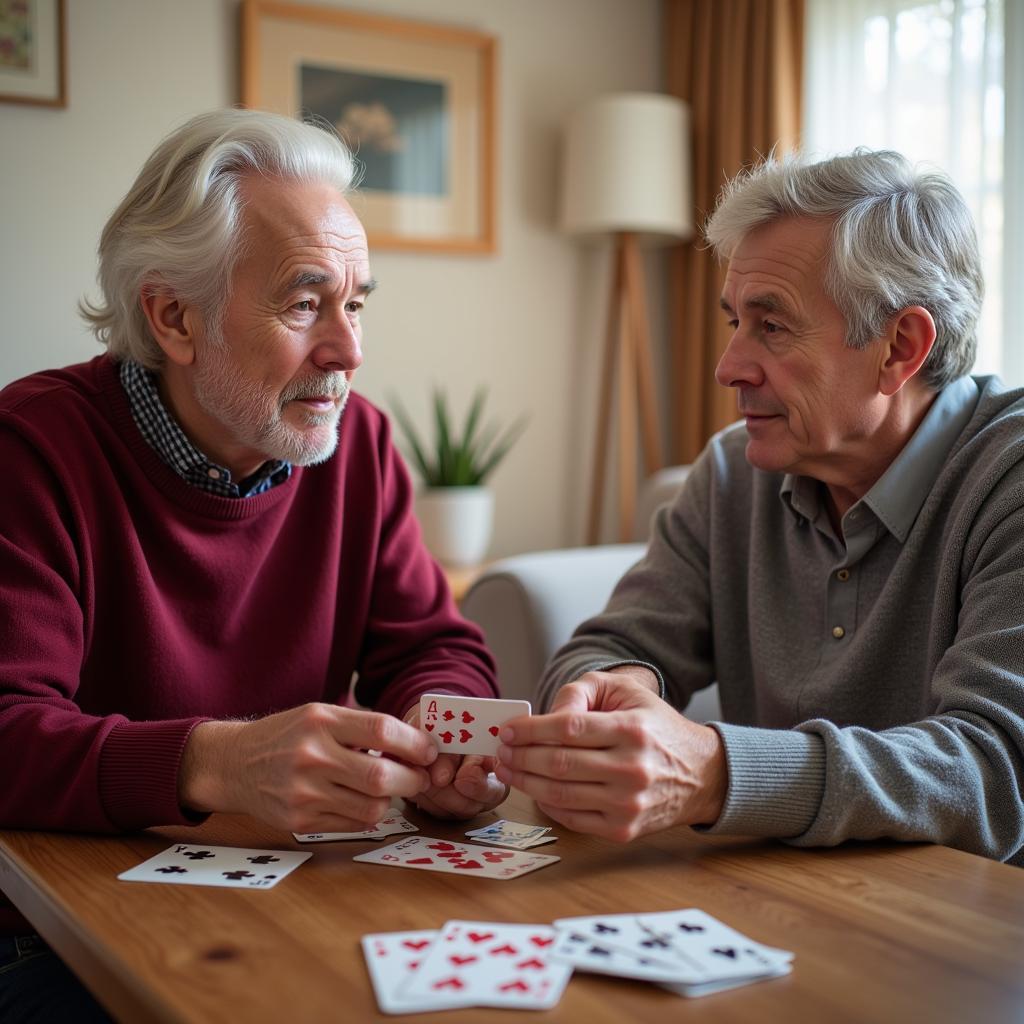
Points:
x=173, y=324
x=908, y=340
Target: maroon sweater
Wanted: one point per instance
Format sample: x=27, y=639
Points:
x=133, y=606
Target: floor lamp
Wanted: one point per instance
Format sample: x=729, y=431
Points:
x=626, y=173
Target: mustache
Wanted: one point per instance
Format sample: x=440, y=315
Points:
x=333, y=384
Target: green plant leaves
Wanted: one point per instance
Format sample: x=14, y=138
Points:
x=455, y=460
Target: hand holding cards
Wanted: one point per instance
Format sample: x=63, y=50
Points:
x=467, y=725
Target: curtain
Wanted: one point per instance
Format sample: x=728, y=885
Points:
x=926, y=77
x=738, y=64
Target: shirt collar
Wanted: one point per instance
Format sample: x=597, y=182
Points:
x=898, y=494
x=163, y=434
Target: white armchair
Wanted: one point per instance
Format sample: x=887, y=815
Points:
x=529, y=605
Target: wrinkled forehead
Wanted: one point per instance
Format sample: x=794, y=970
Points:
x=283, y=216
x=791, y=255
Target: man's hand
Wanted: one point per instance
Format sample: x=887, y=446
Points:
x=307, y=769
x=614, y=760
x=460, y=786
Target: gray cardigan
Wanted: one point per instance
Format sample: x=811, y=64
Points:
x=872, y=681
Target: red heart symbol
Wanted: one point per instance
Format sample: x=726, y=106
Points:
x=440, y=846
x=505, y=950
x=421, y=860
x=429, y=727
x=479, y=936
x=519, y=986
x=465, y=864
x=460, y=960
x=448, y=716
x=493, y=730
x=450, y=854
x=410, y=944
x=467, y=717
x=449, y=983
x=494, y=855
x=539, y=940
x=465, y=736
x=534, y=964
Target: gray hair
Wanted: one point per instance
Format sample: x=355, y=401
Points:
x=901, y=237
x=179, y=227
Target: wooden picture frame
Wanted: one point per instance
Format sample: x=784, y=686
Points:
x=32, y=52
x=415, y=101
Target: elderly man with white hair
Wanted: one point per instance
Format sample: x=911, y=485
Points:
x=847, y=562
x=205, y=535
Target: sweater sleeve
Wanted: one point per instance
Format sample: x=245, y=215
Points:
x=416, y=642
x=63, y=768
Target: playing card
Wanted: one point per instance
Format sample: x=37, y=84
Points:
x=505, y=965
x=709, y=988
x=515, y=834
x=589, y=954
x=693, y=941
x=393, y=823
x=391, y=957
x=467, y=725
x=426, y=854
x=227, y=866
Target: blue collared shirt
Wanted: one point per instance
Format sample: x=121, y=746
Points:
x=168, y=440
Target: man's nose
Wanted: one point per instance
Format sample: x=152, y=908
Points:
x=736, y=368
x=339, y=349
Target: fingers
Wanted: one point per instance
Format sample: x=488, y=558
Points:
x=576, y=697
x=443, y=770
x=579, y=796
x=566, y=728
x=370, y=730
x=475, y=781
x=578, y=764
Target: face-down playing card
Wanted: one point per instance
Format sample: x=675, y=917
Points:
x=423, y=853
x=467, y=725
x=485, y=964
x=392, y=823
x=227, y=866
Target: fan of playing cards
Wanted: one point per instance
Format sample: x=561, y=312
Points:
x=527, y=966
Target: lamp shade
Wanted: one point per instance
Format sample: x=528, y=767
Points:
x=626, y=167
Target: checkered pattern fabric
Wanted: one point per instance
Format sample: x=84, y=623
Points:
x=168, y=440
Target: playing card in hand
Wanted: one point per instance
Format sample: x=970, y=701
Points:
x=389, y=825
x=467, y=725
x=505, y=965
x=227, y=866
x=425, y=854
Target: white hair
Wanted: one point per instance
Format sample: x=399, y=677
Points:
x=901, y=236
x=179, y=228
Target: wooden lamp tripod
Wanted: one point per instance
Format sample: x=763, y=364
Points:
x=626, y=171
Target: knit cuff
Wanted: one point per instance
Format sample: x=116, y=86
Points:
x=776, y=781
x=138, y=774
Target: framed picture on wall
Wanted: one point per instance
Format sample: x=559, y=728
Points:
x=414, y=101
x=32, y=52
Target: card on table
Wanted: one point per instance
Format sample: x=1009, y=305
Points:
x=516, y=834
x=391, y=824
x=702, y=948
x=391, y=958
x=467, y=725
x=426, y=854
x=228, y=866
x=504, y=965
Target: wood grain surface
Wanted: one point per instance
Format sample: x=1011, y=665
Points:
x=881, y=932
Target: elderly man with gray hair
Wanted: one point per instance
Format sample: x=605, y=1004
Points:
x=206, y=535
x=847, y=562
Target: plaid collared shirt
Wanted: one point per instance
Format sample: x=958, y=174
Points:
x=168, y=440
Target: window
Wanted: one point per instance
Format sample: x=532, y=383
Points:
x=927, y=79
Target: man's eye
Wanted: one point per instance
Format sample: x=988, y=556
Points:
x=304, y=306
x=733, y=323
x=770, y=328
x=353, y=307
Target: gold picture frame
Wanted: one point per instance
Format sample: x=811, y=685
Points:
x=32, y=52
x=415, y=101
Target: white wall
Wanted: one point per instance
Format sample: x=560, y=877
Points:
x=525, y=321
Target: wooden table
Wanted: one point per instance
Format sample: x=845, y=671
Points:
x=881, y=932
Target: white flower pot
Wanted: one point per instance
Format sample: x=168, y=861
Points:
x=456, y=523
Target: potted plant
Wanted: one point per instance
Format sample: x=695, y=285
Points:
x=455, y=507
